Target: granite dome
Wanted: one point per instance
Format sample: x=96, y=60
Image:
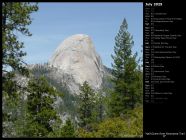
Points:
x=76, y=56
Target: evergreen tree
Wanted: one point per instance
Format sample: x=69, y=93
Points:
x=125, y=93
x=86, y=105
x=41, y=113
x=129, y=126
x=15, y=19
x=100, y=108
x=68, y=129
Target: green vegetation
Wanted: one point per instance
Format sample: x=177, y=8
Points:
x=68, y=130
x=68, y=99
x=15, y=19
x=127, y=91
x=87, y=105
x=130, y=125
x=40, y=109
x=29, y=108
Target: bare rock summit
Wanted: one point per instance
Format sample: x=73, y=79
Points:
x=76, y=56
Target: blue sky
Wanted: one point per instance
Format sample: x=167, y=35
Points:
x=54, y=22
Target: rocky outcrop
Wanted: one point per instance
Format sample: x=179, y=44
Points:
x=76, y=56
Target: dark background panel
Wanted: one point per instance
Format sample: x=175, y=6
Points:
x=170, y=115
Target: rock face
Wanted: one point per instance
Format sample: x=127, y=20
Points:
x=76, y=56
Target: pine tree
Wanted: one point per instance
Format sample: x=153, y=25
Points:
x=125, y=93
x=68, y=130
x=15, y=19
x=87, y=104
x=100, y=106
x=40, y=110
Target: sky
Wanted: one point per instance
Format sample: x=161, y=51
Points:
x=54, y=22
